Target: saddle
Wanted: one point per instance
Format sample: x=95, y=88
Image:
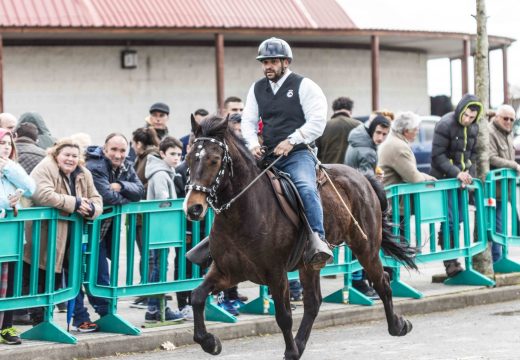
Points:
x=292, y=206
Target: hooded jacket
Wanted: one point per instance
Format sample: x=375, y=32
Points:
x=29, y=153
x=453, y=145
x=362, y=151
x=160, y=179
x=45, y=139
x=132, y=189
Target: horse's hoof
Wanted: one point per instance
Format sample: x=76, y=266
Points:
x=407, y=327
x=211, y=344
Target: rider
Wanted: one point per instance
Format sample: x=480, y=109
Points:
x=293, y=110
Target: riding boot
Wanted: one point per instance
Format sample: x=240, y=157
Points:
x=318, y=252
x=199, y=254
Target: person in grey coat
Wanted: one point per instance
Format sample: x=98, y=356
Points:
x=363, y=141
x=362, y=155
x=161, y=176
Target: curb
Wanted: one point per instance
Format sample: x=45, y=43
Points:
x=114, y=344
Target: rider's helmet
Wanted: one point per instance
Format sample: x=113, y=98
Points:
x=274, y=48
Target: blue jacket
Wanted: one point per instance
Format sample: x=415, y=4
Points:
x=13, y=177
x=132, y=189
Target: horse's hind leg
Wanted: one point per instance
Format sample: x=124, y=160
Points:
x=209, y=342
x=311, y=305
x=397, y=325
x=280, y=294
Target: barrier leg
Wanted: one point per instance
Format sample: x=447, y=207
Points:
x=469, y=277
x=262, y=305
x=48, y=330
x=358, y=298
x=216, y=313
x=401, y=289
x=113, y=323
x=506, y=265
x=338, y=297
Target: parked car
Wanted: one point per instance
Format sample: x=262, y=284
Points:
x=422, y=146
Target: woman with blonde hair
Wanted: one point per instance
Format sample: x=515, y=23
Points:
x=65, y=184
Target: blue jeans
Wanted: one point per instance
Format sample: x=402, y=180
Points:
x=301, y=166
x=100, y=305
x=153, y=302
x=295, y=288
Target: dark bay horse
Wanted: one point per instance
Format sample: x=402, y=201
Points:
x=252, y=238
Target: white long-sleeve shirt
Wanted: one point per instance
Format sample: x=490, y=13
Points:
x=314, y=106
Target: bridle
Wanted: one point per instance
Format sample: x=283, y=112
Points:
x=211, y=192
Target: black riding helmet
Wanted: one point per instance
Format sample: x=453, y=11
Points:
x=274, y=48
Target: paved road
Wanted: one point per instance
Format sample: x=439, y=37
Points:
x=484, y=332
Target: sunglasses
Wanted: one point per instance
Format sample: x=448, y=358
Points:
x=507, y=118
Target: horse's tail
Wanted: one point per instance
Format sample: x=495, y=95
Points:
x=393, y=245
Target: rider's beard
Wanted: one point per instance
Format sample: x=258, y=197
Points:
x=277, y=75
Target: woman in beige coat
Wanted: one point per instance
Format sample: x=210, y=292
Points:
x=62, y=183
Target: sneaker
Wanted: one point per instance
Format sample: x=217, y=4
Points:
x=10, y=336
x=140, y=303
x=237, y=304
x=227, y=305
x=365, y=289
x=169, y=315
x=242, y=297
x=187, y=312
x=87, y=327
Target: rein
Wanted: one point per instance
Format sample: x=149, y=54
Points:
x=227, y=161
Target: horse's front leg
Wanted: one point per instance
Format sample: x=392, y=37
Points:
x=209, y=342
x=310, y=280
x=280, y=294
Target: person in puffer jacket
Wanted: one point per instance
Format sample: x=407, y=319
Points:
x=454, y=155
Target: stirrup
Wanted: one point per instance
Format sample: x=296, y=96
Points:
x=318, y=252
x=199, y=254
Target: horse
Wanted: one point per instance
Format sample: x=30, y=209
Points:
x=251, y=239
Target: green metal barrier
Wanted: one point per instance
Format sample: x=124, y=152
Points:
x=429, y=203
x=12, y=251
x=506, y=180
x=163, y=229
x=344, y=266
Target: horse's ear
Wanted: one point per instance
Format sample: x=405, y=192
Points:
x=195, y=127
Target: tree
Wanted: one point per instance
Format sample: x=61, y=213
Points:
x=482, y=262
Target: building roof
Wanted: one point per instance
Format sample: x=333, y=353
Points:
x=270, y=14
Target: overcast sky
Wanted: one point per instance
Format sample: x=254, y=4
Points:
x=447, y=15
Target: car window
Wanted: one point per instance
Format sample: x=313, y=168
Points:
x=428, y=128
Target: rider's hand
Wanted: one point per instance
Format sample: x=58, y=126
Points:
x=258, y=152
x=283, y=148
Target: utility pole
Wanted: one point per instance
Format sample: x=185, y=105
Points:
x=482, y=262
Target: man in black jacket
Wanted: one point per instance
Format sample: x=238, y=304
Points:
x=454, y=155
x=117, y=183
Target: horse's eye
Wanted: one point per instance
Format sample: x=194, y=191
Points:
x=214, y=162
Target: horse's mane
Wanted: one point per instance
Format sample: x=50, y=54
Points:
x=213, y=126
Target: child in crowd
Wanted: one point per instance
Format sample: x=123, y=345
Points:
x=164, y=183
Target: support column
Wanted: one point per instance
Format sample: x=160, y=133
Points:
x=464, y=65
x=375, y=72
x=504, y=74
x=219, y=65
x=1, y=74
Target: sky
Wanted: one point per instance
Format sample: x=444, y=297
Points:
x=448, y=15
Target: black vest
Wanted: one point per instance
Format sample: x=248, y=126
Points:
x=282, y=113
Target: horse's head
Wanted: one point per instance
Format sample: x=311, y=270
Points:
x=208, y=160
